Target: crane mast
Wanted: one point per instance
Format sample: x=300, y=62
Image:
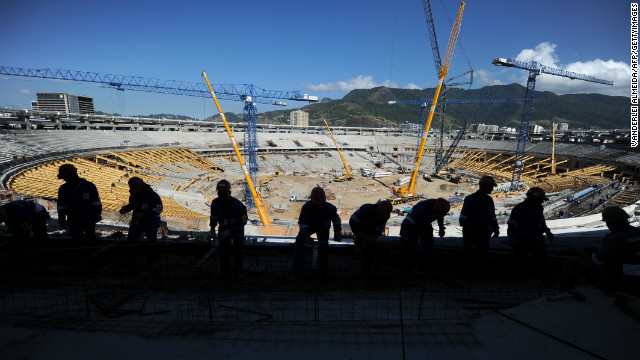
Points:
x=348, y=175
x=409, y=190
x=262, y=210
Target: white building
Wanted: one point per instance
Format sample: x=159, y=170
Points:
x=299, y=117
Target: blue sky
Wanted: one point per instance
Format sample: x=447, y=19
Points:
x=323, y=48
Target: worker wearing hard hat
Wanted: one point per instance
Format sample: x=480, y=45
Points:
x=478, y=221
x=230, y=216
x=367, y=224
x=316, y=217
x=604, y=266
x=526, y=227
x=147, y=207
x=79, y=206
x=417, y=225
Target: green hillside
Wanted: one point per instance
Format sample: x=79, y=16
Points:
x=370, y=107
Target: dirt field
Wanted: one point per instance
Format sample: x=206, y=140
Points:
x=347, y=196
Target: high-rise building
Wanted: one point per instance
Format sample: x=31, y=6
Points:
x=63, y=103
x=299, y=117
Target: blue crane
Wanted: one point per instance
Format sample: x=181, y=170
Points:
x=535, y=69
x=247, y=93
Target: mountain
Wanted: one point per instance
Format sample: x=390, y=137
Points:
x=371, y=108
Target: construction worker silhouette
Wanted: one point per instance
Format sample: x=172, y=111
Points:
x=367, y=224
x=79, y=206
x=147, y=207
x=478, y=221
x=316, y=217
x=604, y=265
x=230, y=215
x=526, y=227
x=24, y=217
x=417, y=225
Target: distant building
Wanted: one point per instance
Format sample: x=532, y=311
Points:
x=535, y=129
x=563, y=127
x=507, y=130
x=410, y=127
x=299, y=117
x=477, y=128
x=490, y=128
x=63, y=103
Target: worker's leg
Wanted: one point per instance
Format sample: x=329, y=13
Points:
x=224, y=254
x=238, y=253
x=323, y=253
x=543, y=263
x=428, y=250
x=151, y=248
x=468, y=241
x=299, y=252
x=521, y=248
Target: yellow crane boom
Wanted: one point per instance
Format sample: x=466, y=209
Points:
x=257, y=199
x=348, y=175
x=410, y=189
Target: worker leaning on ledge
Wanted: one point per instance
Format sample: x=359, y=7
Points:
x=604, y=266
x=367, y=224
x=316, y=217
x=417, y=225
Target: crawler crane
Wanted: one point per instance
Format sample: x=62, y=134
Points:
x=257, y=198
x=408, y=191
x=347, y=175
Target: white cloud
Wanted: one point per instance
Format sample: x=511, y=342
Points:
x=25, y=91
x=412, y=86
x=616, y=71
x=359, y=82
x=485, y=78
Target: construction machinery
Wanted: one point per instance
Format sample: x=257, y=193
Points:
x=535, y=69
x=435, y=49
x=347, y=175
x=446, y=155
x=408, y=191
x=247, y=93
x=257, y=198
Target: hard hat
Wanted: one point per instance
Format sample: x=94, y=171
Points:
x=318, y=196
x=441, y=207
x=487, y=181
x=614, y=214
x=536, y=193
x=66, y=170
x=384, y=208
x=135, y=184
x=223, y=185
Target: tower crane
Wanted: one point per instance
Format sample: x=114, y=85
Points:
x=247, y=93
x=408, y=191
x=347, y=175
x=535, y=69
